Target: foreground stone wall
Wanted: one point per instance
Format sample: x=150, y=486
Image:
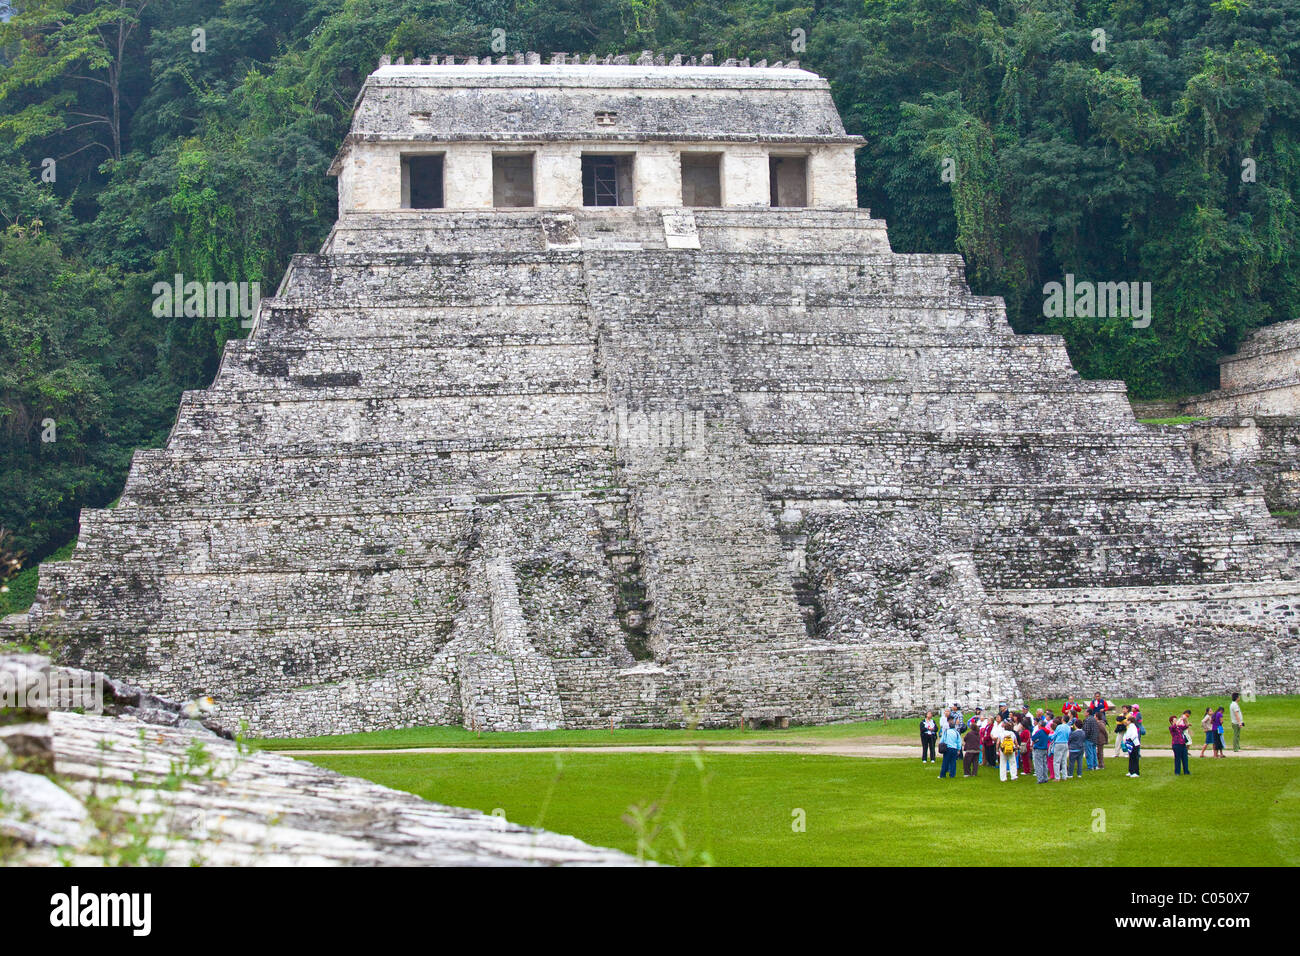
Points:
x=141, y=785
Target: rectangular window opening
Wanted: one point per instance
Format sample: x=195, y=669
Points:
x=422, y=182
x=701, y=179
x=512, y=179
x=606, y=180
x=789, y=180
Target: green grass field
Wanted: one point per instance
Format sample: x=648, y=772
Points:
x=743, y=809
x=1270, y=722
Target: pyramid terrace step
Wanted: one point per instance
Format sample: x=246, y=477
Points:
x=451, y=279
x=280, y=659
x=807, y=470
x=254, y=597
x=404, y=539
x=368, y=368
x=369, y=418
x=218, y=398
x=360, y=322
x=1081, y=499
x=854, y=413
x=469, y=470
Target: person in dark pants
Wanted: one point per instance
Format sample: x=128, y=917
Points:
x=1041, y=741
x=951, y=741
x=1133, y=742
x=1025, y=732
x=988, y=743
x=971, y=746
x=1090, y=737
x=1179, y=741
x=1075, y=749
x=929, y=735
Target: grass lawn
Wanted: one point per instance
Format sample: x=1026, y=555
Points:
x=740, y=809
x=1175, y=420
x=1270, y=722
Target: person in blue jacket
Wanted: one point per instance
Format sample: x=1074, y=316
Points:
x=1060, y=748
x=1041, y=741
x=951, y=741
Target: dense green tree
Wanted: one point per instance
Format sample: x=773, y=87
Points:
x=1115, y=140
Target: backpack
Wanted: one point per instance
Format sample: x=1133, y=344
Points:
x=1008, y=744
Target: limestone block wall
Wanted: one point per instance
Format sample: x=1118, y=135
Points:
x=1250, y=434
x=1262, y=378
x=653, y=110
x=370, y=178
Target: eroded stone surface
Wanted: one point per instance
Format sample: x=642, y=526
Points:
x=521, y=467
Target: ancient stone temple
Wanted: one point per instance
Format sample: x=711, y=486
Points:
x=603, y=403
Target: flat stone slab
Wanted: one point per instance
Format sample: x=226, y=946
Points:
x=190, y=797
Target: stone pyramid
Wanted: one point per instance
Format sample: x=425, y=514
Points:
x=547, y=465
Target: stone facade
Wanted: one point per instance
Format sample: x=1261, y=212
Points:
x=1252, y=427
x=492, y=124
x=524, y=468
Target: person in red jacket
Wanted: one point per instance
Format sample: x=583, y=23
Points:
x=1026, y=752
x=987, y=743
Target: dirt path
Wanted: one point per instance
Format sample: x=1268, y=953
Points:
x=865, y=747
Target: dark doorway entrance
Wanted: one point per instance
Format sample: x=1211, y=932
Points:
x=423, y=182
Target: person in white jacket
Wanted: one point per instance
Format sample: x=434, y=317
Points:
x=1008, y=760
x=1133, y=738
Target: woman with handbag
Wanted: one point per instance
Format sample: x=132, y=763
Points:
x=1207, y=725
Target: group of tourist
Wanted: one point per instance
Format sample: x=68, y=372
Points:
x=1061, y=746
